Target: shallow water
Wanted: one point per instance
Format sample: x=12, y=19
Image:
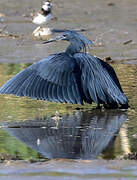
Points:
x=36, y=130
x=70, y=131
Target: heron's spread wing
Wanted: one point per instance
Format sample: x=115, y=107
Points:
x=99, y=80
x=52, y=78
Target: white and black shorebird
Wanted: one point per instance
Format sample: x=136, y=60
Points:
x=45, y=15
x=42, y=18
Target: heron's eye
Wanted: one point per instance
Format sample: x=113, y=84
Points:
x=64, y=35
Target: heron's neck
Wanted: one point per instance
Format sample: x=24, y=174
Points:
x=73, y=48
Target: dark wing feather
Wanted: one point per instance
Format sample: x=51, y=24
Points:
x=99, y=80
x=52, y=78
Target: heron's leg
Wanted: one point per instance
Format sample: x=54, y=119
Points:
x=124, y=106
x=98, y=106
x=111, y=106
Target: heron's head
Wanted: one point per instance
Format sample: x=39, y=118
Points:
x=73, y=37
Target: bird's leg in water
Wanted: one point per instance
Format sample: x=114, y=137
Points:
x=124, y=106
x=98, y=106
x=111, y=106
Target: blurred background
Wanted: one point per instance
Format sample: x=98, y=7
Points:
x=111, y=24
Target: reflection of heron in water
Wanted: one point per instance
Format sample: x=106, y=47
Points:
x=72, y=76
x=79, y=135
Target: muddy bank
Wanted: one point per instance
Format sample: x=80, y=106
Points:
x=111, y=25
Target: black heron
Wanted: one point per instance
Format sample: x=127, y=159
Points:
x=73, y=76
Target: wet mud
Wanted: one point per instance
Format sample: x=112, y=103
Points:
x=111, y=25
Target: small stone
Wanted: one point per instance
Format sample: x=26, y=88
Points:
x=2, y=15
x=100, y=44
x=111, y=4
x=108, y=59
x=134, y=136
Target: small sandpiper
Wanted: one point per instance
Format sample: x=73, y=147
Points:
x=43, y=17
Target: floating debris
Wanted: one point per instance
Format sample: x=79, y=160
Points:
x=28, y=15
x=108, y=59
x=13, y=36
x=111, y=4
x=100, y=44
x=9, y=35
x=131, y=156
x=3, y=29
x=4, y=157
x=2, y=15
x=127, y=42
x=134, y=135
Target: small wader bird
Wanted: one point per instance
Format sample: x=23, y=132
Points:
x=45, y=15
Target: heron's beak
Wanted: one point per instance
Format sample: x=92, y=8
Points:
x=59, y=38
x=51, y=40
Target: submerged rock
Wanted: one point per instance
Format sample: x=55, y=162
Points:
x=42, y=33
